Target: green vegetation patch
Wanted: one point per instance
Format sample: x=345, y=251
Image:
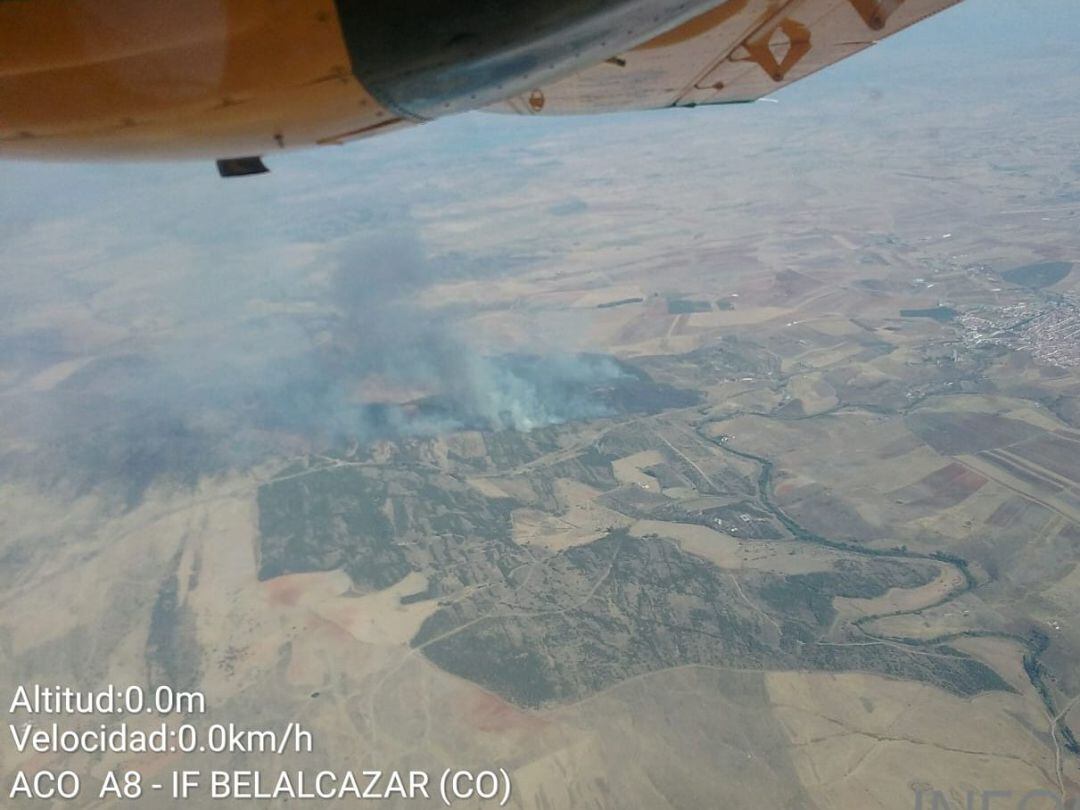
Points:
x=172, y=646
x=809, y=597
x=933, y=313
x=619, y=303
x=327, y=519
x=623, y=606
x=686, y=306
x=1037, y=276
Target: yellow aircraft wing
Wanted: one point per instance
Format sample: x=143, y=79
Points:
x=239, y=79
x=738, y=51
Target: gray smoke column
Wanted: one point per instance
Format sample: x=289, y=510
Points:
x=245, y=388
x=526, y=392
x=380, y=330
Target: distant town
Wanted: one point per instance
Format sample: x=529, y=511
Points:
x=1049, y=330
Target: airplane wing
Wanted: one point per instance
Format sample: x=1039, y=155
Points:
x=235, y=80
x=736, y=52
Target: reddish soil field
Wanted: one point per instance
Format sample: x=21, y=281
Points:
x=942, y=488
